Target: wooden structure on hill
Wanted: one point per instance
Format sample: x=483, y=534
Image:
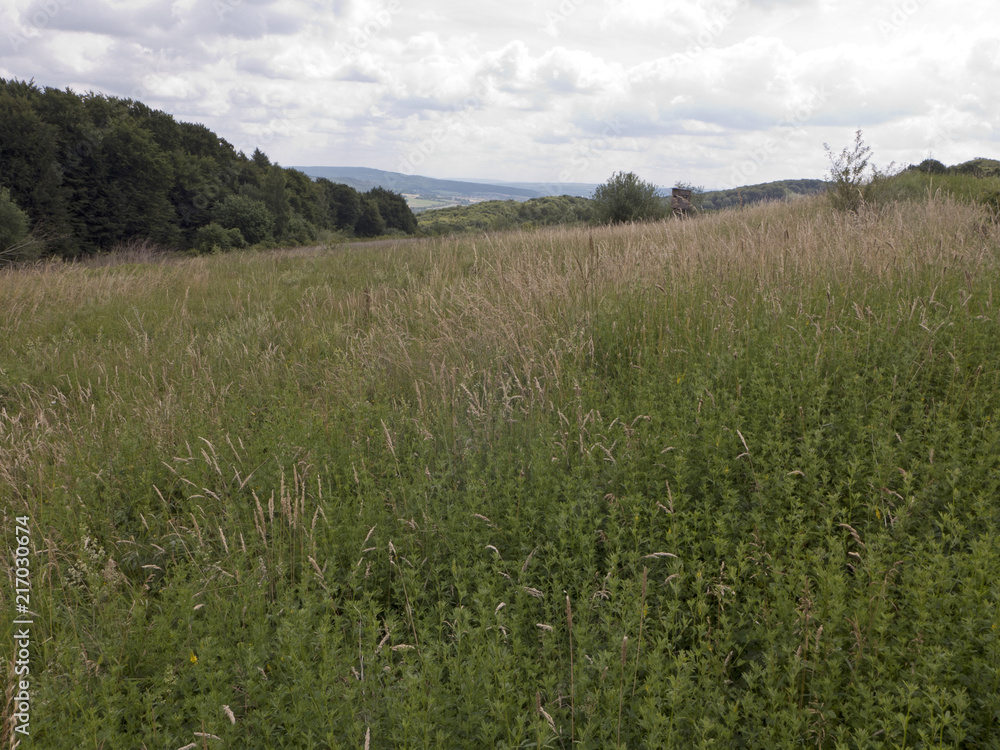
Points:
x=680, y=201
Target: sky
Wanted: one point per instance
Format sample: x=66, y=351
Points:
x=716, y=93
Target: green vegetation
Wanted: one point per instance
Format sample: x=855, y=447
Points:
x=781, y=190
x=624, y=198
x=976, y=181
x=729, y=482
x=857, y=185
x=914, y=185
x=977, y=168
x=370, y=222
x=855, y=180
x=93, y=173
x=251, y=218
x=393, y=209
x=13, y=228
x=490, y=216
x=213, y=237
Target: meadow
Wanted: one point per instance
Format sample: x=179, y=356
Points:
x=731, y=482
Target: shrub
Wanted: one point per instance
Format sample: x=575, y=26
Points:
x=236, y=239
x=300, y=231
x=931, y=166
x=625, y=198
x=216, y=237
x=250, y=216
x=14, y=243
x=856, y=181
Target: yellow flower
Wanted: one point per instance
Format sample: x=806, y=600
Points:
x=194, y=659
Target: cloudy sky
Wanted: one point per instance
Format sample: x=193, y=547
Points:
x=715, y=92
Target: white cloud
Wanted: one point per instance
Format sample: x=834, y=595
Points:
x=535, y=90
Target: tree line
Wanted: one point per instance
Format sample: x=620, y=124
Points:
x=498, y=215
x=84, y=173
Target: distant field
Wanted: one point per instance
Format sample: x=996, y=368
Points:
x=419, y=203
x=728, y=482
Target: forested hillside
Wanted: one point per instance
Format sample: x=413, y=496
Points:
x=770, y=191
x=88, y=172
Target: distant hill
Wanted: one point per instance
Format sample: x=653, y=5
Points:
x=980, y=167
x=427, y=193
x=768, y=191
x=423, y=193
x=577, y=189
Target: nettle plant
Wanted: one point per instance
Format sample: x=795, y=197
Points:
x=855, y=178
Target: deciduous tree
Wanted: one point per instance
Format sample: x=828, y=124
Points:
x=626, y=198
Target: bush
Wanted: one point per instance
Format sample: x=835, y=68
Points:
x=931, y=166
x=14, y=243
x=214, y=236
x=236, y=239
x=625, y=198
x=250, y=216
x=300, y=231
x=856, y=182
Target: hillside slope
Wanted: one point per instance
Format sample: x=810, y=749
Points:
x=727, y=483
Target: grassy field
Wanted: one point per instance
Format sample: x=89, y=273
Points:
x=731, y=482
